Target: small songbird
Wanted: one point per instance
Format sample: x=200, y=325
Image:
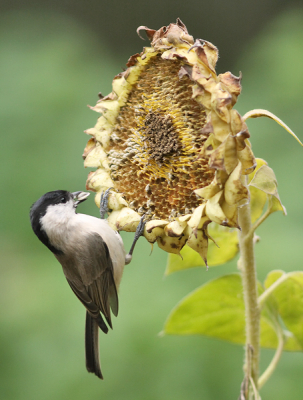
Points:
x=92, y=256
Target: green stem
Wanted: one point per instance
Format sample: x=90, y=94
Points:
x=263, y=297
x=249, y=282
x=258, y=223
x=274, y=362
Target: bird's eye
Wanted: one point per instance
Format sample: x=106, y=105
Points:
x=63, y=200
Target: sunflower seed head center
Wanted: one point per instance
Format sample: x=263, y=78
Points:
x=159, y=137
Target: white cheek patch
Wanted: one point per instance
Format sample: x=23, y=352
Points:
x=55, y=223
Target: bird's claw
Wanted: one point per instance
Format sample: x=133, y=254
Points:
x=104, y=203
x=140, y=228
x=138, y=233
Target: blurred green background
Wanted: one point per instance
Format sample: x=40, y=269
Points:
x=55, y=58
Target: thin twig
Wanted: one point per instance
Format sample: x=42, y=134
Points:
x=274, y=362
x=263, y=297
x=255, y=391
x=258, y=223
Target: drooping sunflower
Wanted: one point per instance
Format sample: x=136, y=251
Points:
x=170, y=144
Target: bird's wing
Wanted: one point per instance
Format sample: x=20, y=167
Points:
x=95, y=286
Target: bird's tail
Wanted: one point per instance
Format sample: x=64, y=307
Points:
x=92, y=346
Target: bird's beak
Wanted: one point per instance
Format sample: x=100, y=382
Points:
x=78, y=197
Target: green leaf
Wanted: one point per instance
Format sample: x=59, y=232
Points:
x=260, y=162
x=190, y=258
x=257, y=202
x=258, y=198
x=265, y=180
x=276, y=205
x=289, y=299
x=216, y=309
x=225, y=238
x=226, y=245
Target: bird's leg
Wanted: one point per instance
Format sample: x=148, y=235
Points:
x=104, y=203
x=139, y=232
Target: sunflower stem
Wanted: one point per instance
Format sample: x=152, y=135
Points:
x=249, y=282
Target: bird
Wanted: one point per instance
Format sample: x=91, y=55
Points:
x=92, y=256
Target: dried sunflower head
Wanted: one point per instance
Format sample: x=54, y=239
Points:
x=170, y=143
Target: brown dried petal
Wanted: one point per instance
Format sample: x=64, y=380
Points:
x=230, y=155
x=232, y=83
x=241, y=139
x=231, y=213
x=132, y=60
x=236, y=123
x=98, y=180
x=198, y=241
x=127, y=220
x=196, y=217
x=247, y=159
x=235, y=191
x=214, y=210
x=89, y=147
x=175, y=228
x=185, y=70
x=210, y=190
x=154, y=234
x=149, y=32
x=171, y=244
x=206, y=52
x=220, y=127
x=155, y=223
x=222, y=103
x=174, y=34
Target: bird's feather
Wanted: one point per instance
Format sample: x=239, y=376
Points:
x=90, y=275
x=92, y=346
